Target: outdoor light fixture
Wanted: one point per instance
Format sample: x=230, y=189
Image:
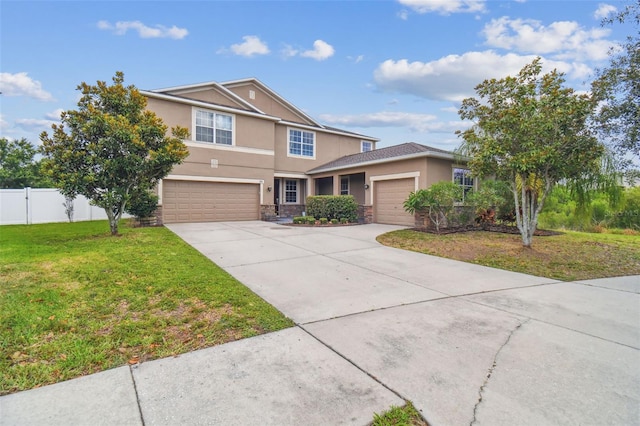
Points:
x=269, y=188
x=366, y=186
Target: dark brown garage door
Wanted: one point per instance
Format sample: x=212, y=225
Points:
x=388, y=199
x=188, y=201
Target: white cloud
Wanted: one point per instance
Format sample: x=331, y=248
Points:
x=158, y=31
x=321, y=51
x=403, y=14
x=54, y=115
x=453, y=77
x=20, y=84
x=604, y=10
x=444, y=7
x=414, y=122
x=251, y=46
x=289, y=51
x=561, y=39
x=4, y=124
x=356, y=59
x=32, y=124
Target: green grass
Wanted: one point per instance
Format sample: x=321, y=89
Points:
x=569, y=257
x=75, y=300
x=406, y=415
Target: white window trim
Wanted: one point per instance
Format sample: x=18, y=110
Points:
x=284, y=198
x=193, y=127
x=348, y=185
x=362, y=146
x=474, y=186
x=315, y=145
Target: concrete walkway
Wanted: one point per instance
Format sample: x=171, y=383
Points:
x=376, y=325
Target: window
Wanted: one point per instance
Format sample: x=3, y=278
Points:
x=213, y=127
x=366, y=146
x=344, y=185
x=463, y=178
x=291, y=191
x=302, y=143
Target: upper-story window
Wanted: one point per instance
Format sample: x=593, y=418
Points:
x=463, y=178
x=302, y=143
x=366, y=146
x=214, y=127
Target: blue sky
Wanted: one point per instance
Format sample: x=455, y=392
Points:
x=395, y=70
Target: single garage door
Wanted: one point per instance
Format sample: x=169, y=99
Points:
x=189, y=201
x=388, y=199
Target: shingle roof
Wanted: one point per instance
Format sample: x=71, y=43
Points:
x=391, y=153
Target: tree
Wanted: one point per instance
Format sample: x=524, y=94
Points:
x=617, y=87
x=113, y=147
x=532, y=132
x=18, y=167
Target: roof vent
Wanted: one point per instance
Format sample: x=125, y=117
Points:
x=252, y=94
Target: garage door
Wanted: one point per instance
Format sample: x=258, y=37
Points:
x=188, y=201
x=388, y=199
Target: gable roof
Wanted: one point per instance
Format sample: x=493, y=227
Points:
x=177, y=94
x=403, y=151
x=282, y=101
x=181, y=90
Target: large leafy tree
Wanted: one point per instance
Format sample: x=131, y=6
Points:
x=618, y=88
x=18, y=166
x=111, y=147
x=532, y=132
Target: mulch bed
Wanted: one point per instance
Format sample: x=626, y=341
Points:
x=505, y=229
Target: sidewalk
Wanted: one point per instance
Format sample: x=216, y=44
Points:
x=376, y=325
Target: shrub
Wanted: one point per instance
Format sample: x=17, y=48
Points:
x=324, y=220
x=334, y=221
x=438, y=201
x=311, y=220
x=344, y=220
x=142, y=204
x=299, y=219
x=333, y=206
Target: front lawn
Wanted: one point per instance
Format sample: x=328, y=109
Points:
x=570, y=256
x=75, y=300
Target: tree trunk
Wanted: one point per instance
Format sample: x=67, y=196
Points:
x=113, y=220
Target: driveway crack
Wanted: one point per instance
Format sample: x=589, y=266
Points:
x=492, y=369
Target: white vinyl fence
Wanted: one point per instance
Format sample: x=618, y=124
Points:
x=43, y=205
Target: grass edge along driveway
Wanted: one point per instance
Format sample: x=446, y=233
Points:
x=75, y=300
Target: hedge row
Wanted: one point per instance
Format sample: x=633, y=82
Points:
x=333, y=207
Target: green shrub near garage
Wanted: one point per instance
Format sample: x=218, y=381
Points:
x=333, y=207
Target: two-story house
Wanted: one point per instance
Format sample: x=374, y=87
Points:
x=254, y=155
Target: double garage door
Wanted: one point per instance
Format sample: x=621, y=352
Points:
x=189, y=201
x=389, y=197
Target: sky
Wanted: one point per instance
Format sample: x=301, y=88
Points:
x=395, y=70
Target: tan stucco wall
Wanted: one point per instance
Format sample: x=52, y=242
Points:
x=328, y=148
x=267, y=104
x=431, y=170
x=439, y=170
x=250, y=132
x=173, y=114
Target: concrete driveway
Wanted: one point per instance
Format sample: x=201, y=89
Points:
x=376, y=325
x=467, y=344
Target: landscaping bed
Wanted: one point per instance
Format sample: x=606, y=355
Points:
x=501, y=228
